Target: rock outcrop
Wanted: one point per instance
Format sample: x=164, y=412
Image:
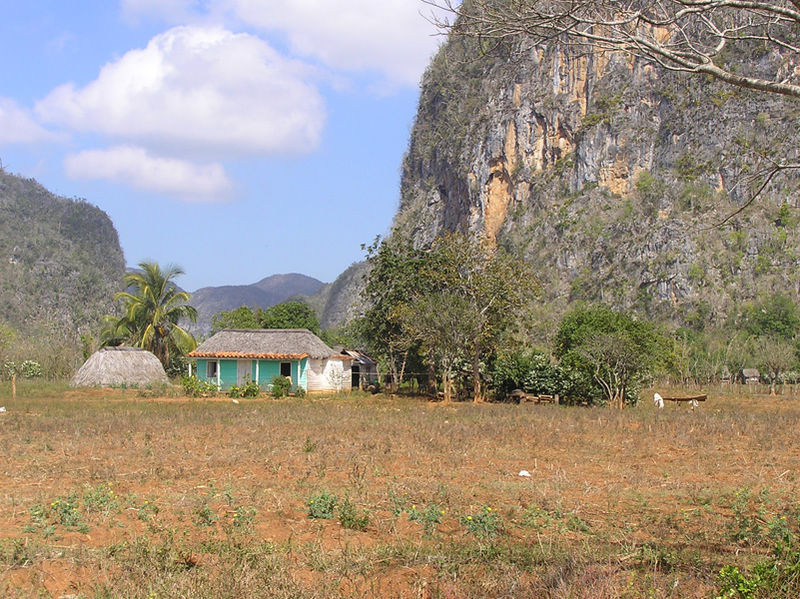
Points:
x=608, y=174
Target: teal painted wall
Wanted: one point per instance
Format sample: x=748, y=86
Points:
x=202, y=369
x=227, y=373
x=267, y=369
x=303, y=375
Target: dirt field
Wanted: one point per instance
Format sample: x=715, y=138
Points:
x=107, y=494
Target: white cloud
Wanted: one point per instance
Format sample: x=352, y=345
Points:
x=389, y=36
x=17, y=125
x=135, y=167
x=204, y=90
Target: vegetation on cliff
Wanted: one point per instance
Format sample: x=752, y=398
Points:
x=60, y=263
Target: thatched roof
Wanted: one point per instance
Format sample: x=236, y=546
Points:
x=114, y=366
x=264, y=344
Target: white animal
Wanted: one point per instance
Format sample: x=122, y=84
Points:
x=658, y=400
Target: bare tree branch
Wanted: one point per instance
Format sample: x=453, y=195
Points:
x=690, y=36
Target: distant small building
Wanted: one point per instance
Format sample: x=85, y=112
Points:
x=364, y=369
x=120, y=367
x=235, y=356
x=749, y=375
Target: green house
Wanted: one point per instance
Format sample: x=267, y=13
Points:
x=235, y=356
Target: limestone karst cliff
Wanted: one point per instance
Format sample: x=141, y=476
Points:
x=607, y=173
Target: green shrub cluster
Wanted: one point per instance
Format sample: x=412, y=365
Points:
x=194, y=387
x=247, y=389
x=281, y=386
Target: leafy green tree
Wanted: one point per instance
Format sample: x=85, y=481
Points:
x=289, y=315
x=444, y=325
x=152, y=310
x=453, y=300
x=618, y=350
x=776, y=315
x=495, y=286
x=774, y=356
x=394, y=279
x=242, y=317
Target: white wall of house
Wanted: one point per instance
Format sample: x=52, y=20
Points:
x=328, y=374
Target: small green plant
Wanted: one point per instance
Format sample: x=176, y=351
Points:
x=428, y=517
x=64, y=511
x=299, y=392
x=322, y=505
x=243, y=517
x=351, y=517
x=146, y=510
x=484, y=523
x=281, y=386
x=194, y=387
x=205, y=516
x=734, y=584
x=100, y=498
x=746, y=525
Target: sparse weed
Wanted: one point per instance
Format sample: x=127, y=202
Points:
x=429, y=517
x=243, y=517
x=205, y=516
x=351, y=517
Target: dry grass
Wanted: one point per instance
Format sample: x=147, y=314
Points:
x=210, y=499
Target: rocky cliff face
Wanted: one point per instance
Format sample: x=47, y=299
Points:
x=607, y=174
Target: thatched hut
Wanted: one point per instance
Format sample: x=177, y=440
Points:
x=120, y=366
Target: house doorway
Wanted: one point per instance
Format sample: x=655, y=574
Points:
x=356, y=377
x=243, y=371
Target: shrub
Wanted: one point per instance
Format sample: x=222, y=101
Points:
x=281, y=386
x=322, y=505
x=485, y=523
x=194, y=387
x=248, y=389
x=428, y=517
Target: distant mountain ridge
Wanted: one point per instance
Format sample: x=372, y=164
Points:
x=267, y=292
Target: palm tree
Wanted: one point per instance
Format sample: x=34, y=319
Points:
x=153, y=308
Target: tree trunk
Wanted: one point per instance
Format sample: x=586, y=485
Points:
x=476, y=377
x=432, y=387
x=446, y=385
x=14, y=386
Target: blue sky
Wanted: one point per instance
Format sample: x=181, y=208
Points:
x=235, y=138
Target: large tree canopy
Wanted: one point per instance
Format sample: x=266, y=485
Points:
x=619, y=350
x=452, y=301
x=286, y=315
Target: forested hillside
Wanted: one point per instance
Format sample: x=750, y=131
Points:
x=60, y=263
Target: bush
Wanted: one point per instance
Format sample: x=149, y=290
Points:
x=194, y=387
x=322, y=505
x=248, y=389
x=281, y=386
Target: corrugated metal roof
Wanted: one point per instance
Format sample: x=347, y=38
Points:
x=266, y=344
